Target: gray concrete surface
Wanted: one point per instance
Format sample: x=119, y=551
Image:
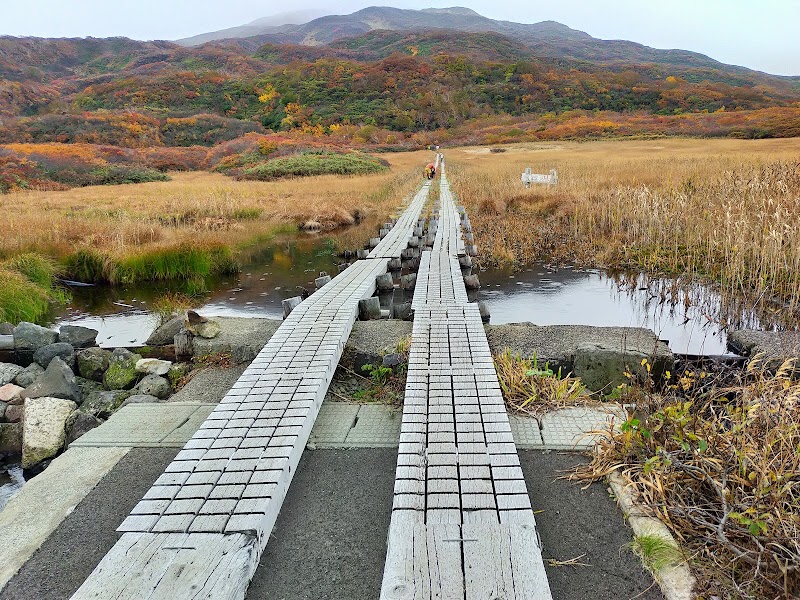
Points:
x=243, y=338
x=42, y=504
x=330, y=539
x=69, y=555
x=774, y=346
x=209, y=386
x=575, y=522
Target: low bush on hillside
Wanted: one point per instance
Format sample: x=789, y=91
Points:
x=310, y=163
x=60, y=166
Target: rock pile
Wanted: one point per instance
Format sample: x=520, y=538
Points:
x=64, y=385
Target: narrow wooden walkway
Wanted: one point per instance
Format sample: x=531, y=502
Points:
x=200, y=530
x=462, y=527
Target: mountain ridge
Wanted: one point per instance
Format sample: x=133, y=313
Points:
x=553, y=39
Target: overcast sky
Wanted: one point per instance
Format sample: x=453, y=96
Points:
x=761, y=35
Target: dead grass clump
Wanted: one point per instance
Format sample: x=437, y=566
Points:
x=722, y=210
x=531, y=388
x=721, y=467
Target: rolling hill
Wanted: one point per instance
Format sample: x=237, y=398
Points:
x=379, y=76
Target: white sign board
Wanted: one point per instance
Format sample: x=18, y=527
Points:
x=528, y=178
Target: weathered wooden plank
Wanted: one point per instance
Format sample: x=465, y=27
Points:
x=157, y=566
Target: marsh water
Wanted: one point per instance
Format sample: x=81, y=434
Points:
x=687, y=316
x=11, y=481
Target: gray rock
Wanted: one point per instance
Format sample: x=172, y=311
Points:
x=87, y=386
x=3, y=406
x=10, y=438
x=208, y=329
x=242, y=338
x=28, y=375
x=78, y=423
x=153, y=385
x=370, y=340
x=6, y=328
x=121, y=373
x=57, y=381
x=10, y=393
x=103, y=404
x=772, y=348
x=139, y=399
x=28, y=338
x=93, y=363
x=9, y=372
x=14, y=413
x=393, y=360
x=600, y=354
x=164, y=335
x=77, y=337
x=64, y=351
x=44, y=428
x=153, y=366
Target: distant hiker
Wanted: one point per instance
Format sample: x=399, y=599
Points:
x=430, y=171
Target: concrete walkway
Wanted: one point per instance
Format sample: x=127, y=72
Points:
x=330, y=539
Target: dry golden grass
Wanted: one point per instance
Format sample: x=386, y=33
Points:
x=725, y=210
x=198, y=209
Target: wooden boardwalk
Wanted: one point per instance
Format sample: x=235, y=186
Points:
x=200, y=530
x=462, y=527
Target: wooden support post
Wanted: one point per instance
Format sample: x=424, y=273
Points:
x=369, y=309
x=290, y=304
x=384, y=283
x=184, y=345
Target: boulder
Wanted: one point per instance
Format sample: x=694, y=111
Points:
x=153, y=366
x=57, y=381
x=14, y=413
x=121, y=373
x=10, y=438
x=28, y=375
x=164, y=335
x=78, y=337
x=64, y=351
x=44, y=428
x=9, y=372
x=3, y=406
x=93, y=363
x=208, y=329
x=87, y=386
x=11, y=394
x=393, y=360
x=139, y=399
x=103, y=404
x=153, y=385
x=28, y=338
x=78, y=423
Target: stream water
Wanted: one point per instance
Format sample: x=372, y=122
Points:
x=11, y=481
x=686, y=317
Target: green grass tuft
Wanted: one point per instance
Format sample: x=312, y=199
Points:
x=657, y=552
x=21, y=299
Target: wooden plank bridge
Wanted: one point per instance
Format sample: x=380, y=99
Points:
x=462, y=525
